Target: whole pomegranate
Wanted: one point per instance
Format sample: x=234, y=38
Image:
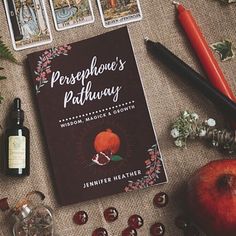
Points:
x=212, y=198
x=107, y=141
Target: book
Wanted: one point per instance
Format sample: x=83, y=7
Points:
x=95, y=119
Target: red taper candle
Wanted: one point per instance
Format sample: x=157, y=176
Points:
x=203, y=51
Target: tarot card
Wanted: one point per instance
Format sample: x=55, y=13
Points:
x=71, y=13
x=118, y=12
x=28, y=23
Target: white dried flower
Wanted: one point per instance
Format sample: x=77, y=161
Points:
x=211, y=122
x=202, y=133
x=185, y=114
x=174, y=133
x=215, y=143
x=195, y=116
x=178, y=143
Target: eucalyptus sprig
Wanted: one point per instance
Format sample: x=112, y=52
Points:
x=188, y=126
x=6, y=54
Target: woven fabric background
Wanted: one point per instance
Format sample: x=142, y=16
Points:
x=166, y=96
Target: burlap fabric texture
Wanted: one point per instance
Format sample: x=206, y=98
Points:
x=166, y=96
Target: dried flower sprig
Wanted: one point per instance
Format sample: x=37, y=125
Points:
x=188, y=126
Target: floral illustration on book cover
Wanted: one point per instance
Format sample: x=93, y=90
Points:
x=43, y=69
x=153, y=166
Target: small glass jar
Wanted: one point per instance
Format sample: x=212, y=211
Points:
x=32, y=219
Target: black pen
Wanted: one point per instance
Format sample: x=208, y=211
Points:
x=181, y=68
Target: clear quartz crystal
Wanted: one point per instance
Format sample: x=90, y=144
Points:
x=33, y=221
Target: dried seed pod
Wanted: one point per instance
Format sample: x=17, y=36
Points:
x=187, y=126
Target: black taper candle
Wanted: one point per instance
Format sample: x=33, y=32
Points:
x=181, y=68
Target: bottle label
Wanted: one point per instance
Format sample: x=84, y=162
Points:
x=17, y=152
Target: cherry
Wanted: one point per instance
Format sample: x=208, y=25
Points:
x=129, y=232
x=160, y=200
x=100, y=232
x=157, y=229
x=80, y=218
x=135, y=221
x=191, y=231
x=110, y=214
x=182, y=222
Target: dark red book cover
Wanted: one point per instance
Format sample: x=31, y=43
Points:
x=95, y=118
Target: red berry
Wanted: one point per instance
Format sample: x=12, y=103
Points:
x=80, y=218
x=100, y=232
x=160, y=200
x=129, y=232
x=157, y=229
x=135, y=221
x=4, y=204
x=110, y=214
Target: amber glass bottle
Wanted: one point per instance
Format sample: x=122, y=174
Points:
x=17, y=161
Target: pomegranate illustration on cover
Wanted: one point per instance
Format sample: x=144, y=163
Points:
x=94, y=115
x=106, y=144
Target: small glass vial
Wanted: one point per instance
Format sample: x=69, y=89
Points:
x=32, y=220
x=17, y=144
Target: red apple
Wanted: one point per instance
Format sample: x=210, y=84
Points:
x=212, y=198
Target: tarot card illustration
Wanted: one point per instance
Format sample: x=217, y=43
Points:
x=118, y=12
x=28, y=23
x=71, y=13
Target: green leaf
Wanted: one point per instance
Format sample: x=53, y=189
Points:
x=224, y=49
x=116, y=158
x=2, y=77
x=5, y=52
